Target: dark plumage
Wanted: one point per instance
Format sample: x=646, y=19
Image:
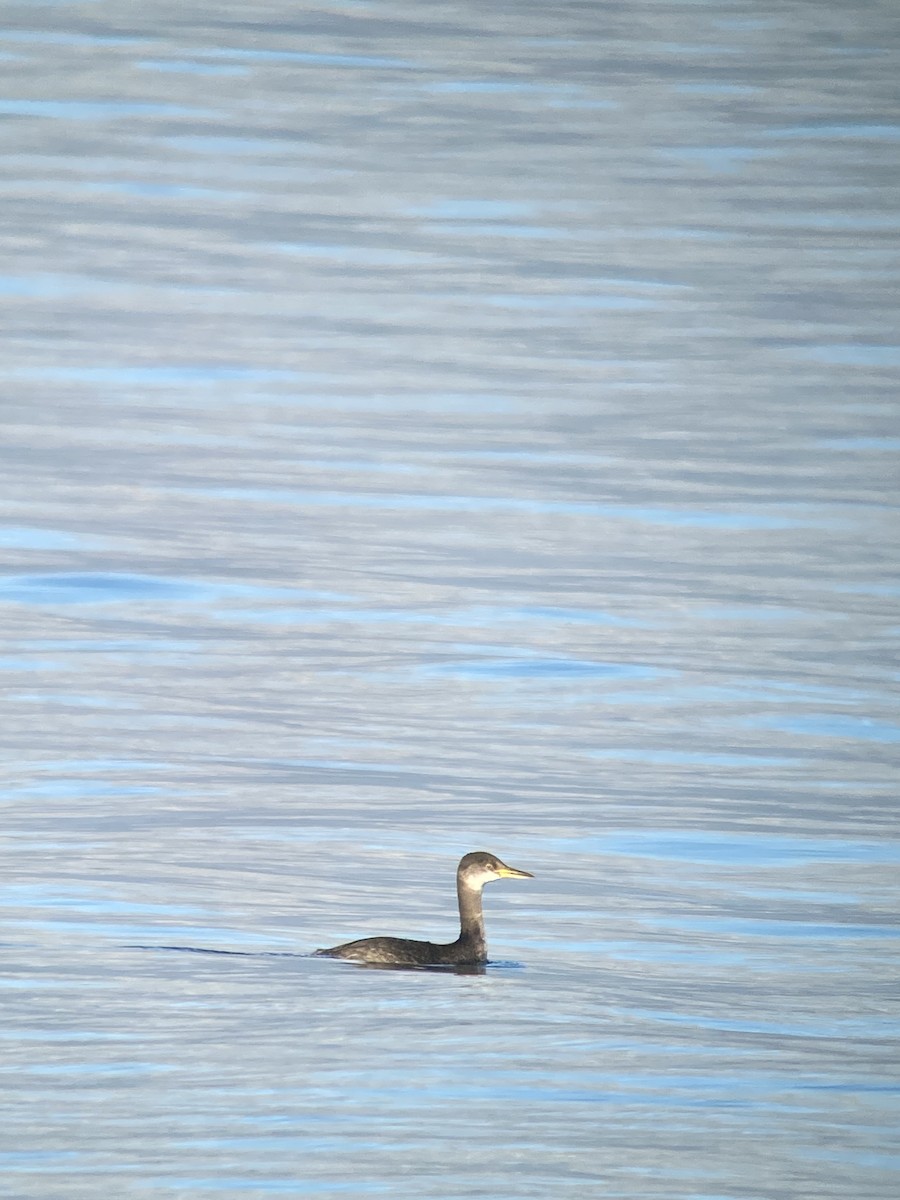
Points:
x=474, y=871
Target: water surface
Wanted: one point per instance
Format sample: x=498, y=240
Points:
x=431, y=429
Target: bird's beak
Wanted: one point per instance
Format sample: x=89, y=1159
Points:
x=506, y=872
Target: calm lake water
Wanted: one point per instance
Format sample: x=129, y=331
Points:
x=433, y=428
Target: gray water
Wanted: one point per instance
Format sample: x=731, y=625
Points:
x=429, y=428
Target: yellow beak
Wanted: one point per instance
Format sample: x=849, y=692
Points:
x=506, y=872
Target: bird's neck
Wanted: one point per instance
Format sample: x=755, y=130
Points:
x=471, y=915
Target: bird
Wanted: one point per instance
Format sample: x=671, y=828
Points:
x=470, y=948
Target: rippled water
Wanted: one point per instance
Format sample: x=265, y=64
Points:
x=428, y=429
